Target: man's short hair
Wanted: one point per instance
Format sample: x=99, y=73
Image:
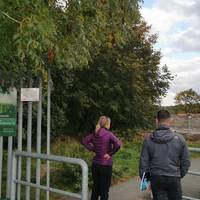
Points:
x=163, y=115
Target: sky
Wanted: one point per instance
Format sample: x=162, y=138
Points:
x=177, y=23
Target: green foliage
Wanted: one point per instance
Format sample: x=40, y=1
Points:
x=124, y=82
x=126, y=161
x=101, y=54
x=39, y=31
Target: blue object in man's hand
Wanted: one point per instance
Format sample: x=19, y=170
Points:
x=145, y=183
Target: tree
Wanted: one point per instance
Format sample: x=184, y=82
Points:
x=188, y=100
x=40, y=34
x=101, y=54
x=124, y=82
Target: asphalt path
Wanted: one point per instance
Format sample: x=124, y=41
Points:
x=130, y=190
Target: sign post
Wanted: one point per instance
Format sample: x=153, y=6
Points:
x=8, y=107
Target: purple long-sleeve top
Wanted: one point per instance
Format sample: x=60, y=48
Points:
x=103, y=142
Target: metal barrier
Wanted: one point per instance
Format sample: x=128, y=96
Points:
x=197, y=150
x=82, y=163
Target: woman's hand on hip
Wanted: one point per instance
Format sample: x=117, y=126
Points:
x=107, y=156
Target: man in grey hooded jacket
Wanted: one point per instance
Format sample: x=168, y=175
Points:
x=165, y=157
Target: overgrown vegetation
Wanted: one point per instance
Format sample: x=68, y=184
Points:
x=126, y=160
x=101, y=55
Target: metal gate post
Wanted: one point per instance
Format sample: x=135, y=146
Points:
x=84, y=181
x=29, y=146
x=9, y=161
x=48, y=130
x=1, y=161
x=1, y=151
x=19, y=142
x=9, y=165
x=13, y=184
x=39, y=126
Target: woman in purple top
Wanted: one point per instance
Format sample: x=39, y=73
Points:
x=104, y=144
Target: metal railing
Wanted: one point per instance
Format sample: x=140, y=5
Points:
x=197, y=150
x=15, y=181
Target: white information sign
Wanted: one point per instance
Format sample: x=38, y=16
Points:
x=30, y=94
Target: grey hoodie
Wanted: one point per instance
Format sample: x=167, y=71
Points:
x=164, y=153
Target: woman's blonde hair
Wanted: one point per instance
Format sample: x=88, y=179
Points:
x=103, y=122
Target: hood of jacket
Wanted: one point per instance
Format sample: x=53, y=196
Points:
x=101, y=132
x=163, y=134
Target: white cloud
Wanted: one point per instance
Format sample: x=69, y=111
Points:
x=169, y=99
x=180, y=65
x=168, y=19
x=188, y=40
x=162, y=21
x=187, y=76
x=177, y=23
x=167, y=51
x=187, y=73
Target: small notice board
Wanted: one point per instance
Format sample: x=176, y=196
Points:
x=30, y=94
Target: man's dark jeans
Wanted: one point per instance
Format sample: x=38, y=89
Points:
x=166, y=188
x=101, y=181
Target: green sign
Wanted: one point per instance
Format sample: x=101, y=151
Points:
x=8, y=104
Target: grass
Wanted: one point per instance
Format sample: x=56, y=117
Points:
x=125, y=161
x=195, y=144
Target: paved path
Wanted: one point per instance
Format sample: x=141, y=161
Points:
x=130, y=191
x=191, y=183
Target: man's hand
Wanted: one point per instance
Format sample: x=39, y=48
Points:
x=107, y=156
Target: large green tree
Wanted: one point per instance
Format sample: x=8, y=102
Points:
x=124, y=82
x=100, y=52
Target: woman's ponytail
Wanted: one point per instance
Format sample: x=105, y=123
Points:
x=102, y=121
